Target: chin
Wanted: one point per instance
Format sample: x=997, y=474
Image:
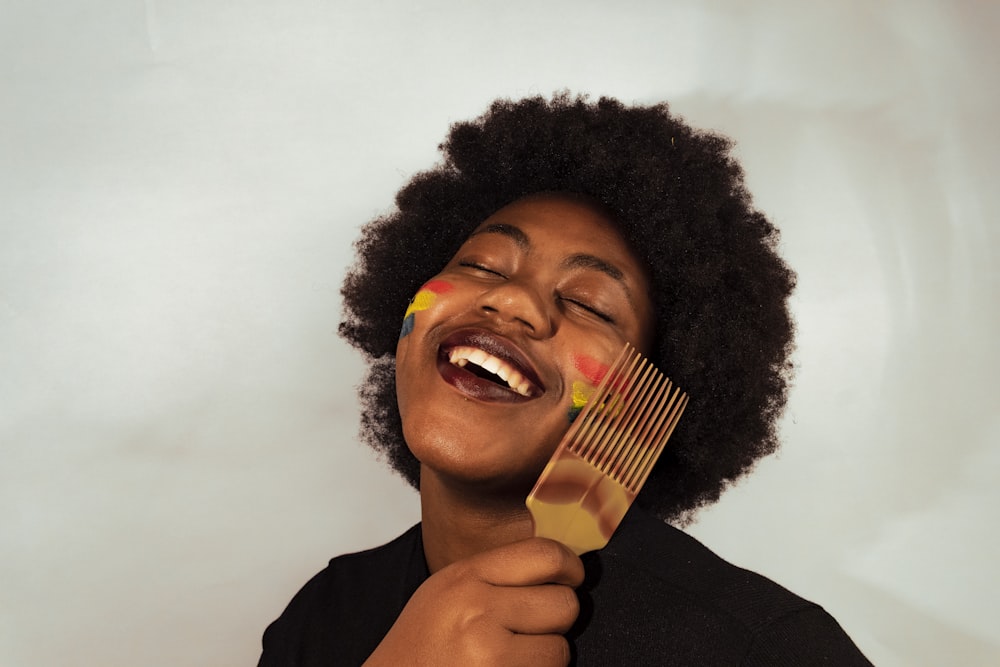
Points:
x=490, y=468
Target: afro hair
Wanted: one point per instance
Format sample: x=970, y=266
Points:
x=718, y=286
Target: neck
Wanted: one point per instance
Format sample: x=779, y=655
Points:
x=457, y=522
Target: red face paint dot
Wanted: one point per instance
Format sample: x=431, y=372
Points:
x=437, y=286
x=591, y=368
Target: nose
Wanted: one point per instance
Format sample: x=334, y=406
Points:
x=518, y=305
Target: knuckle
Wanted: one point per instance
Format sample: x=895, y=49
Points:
x=459, y=571
x=560, y=651
x=551, y=556
x=566, y=608
x=477, y=641
x=571, y=601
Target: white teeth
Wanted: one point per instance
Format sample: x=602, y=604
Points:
x=460, y=356
x=492, y=364
x=457, y=360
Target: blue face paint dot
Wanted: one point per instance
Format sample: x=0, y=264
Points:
x=407, y=325
x=573, y=413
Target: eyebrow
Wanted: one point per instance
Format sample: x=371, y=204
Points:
x=584, y=261
x=578, y=261
x=510, y=231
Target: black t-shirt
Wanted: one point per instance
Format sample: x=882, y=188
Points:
x=653, y=596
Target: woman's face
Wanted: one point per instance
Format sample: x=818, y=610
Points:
x=501, y=349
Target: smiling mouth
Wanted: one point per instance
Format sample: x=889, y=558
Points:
x=487, y=367
x=493, y=369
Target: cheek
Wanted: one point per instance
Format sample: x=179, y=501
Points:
x=591, y=368
x=593, y=371
x=424, y=299
x=580, y=396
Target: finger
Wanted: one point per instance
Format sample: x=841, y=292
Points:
x=528, y=563
x=538, y=651
x=535, y=610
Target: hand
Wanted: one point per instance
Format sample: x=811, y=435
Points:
x=506, y=606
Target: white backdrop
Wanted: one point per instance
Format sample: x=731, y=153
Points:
x=180, y=183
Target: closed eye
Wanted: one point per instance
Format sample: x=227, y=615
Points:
x=590, y=309
x=480, y=267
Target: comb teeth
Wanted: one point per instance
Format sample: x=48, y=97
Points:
x=606, y=455
x=626, y=423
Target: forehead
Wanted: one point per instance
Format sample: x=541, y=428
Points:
x=557, y=224
x=573, y=237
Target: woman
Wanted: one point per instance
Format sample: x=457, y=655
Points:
x=554, y=232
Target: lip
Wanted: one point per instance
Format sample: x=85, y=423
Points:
x=476, y=387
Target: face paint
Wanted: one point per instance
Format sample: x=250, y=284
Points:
x=591, y=368
x=594, y=371
x=581, y=394
x=423, y=300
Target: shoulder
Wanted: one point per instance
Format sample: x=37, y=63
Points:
x=345, y=609
x=358, y=570
x=656, y=582
x=678, y=562
x=392, y=557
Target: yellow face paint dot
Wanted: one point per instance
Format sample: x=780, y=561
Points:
x=582, y=392
x=422, y=301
